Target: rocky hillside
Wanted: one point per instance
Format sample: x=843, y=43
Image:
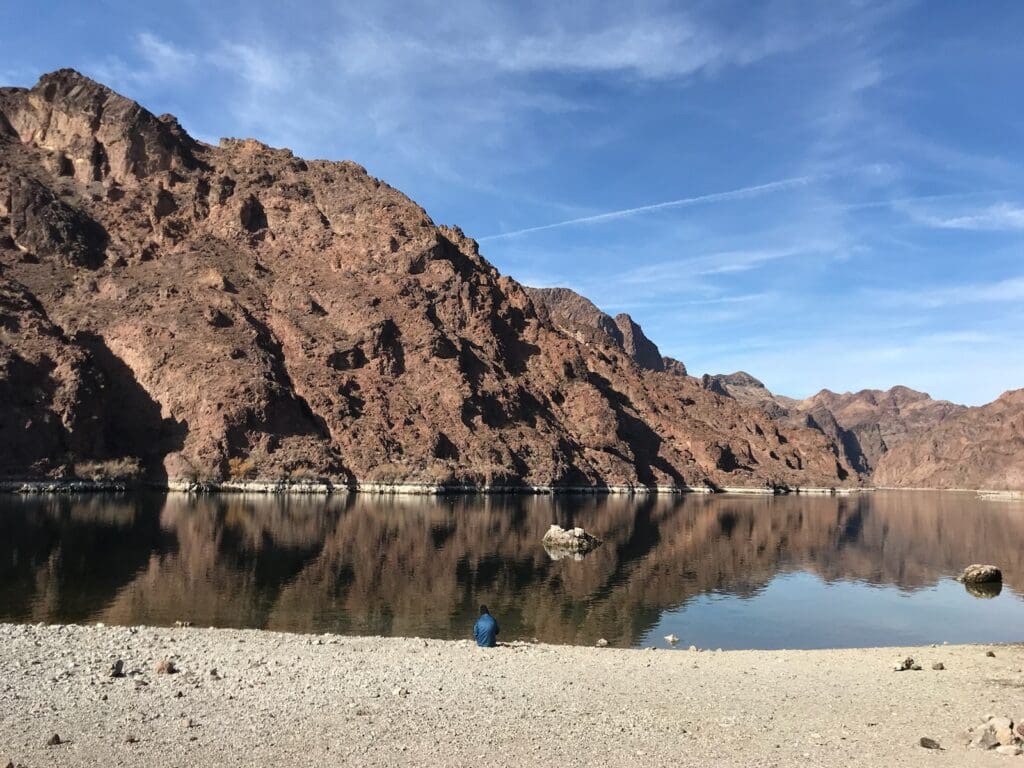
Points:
x=179, y=311
x=976, y=448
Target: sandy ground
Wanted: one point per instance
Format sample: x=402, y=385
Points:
x=297, y=700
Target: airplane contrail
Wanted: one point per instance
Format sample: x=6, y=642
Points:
x=714, y=197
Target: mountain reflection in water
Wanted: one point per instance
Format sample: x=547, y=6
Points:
x=420, y=565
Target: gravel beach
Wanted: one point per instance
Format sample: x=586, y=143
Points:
x=244, y=698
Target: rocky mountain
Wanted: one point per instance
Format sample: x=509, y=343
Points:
x=180, y=311
x=979, y=447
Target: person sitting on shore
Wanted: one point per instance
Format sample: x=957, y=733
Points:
x=486, y=629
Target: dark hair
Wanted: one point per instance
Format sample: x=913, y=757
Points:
x=483, y=609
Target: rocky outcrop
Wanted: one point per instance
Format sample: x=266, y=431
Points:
x=238, y=313
x=643, y=351
x=746, y=389
x=978, y=448
x=579, y=317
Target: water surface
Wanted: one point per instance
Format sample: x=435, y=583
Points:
x=720, y=571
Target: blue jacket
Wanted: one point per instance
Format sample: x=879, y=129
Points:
x=485, y=631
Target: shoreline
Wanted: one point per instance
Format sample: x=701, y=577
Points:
x=327, y=488
x=298, y=700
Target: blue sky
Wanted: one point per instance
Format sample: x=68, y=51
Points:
x=822, y=194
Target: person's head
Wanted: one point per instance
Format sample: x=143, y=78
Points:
x=483, y=610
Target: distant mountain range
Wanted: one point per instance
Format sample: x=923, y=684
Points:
x=898, y=437
x=176, y=312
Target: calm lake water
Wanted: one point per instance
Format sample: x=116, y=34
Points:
x=721, y=571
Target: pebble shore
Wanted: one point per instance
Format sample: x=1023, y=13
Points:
x=254, y=698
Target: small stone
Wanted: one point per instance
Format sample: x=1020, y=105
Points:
x=185, y=723
x=1020, y=730
x=117, y=669
x=54, y=741
x=929, y=743
x=990, y=654
x=1009, y=749
x=129, y=739
x=938, y=666
x=214, y=674
x=693, y=648
x=916, y=667
x=602, y=643
x=904, y=664
x=1002, y=727
x=985, y=738
x=166, y=667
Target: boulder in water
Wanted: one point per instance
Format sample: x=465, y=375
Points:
x=980, y=574
x=569, y=539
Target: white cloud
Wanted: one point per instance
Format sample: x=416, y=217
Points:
x=1008, y=290
x=1002, y=216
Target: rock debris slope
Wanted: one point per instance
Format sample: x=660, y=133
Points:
x=190, y=312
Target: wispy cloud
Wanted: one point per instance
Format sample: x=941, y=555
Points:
x=1008, y=290
x=1002, y=216
x=668, y=275
x=714, y=197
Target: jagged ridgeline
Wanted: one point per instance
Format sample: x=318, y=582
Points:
x=174, y=311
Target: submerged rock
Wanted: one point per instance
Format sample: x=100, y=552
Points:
x=980, y=574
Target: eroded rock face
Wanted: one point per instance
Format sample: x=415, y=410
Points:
x=238, y=312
